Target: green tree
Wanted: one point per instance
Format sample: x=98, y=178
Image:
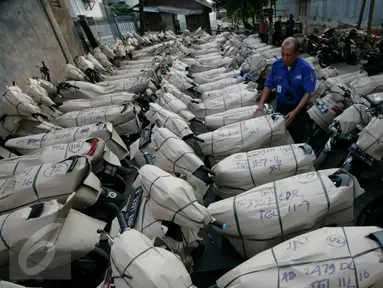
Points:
x=245, y=8
x=119, y=8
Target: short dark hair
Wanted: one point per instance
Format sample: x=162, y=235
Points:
x=297, y=45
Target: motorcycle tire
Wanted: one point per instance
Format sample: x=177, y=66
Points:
x=324, y=60
x=311, y=49
x=371, y=214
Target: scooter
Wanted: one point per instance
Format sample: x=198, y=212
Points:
x=334, y=152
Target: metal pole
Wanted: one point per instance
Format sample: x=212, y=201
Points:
x=370, y=16
x=142, y=28
x=361, y=14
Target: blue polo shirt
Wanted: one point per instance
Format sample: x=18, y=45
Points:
x=300, y=79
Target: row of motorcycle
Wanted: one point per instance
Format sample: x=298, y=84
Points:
x=176, y=114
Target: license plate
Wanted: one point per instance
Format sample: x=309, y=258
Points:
x=132, y=208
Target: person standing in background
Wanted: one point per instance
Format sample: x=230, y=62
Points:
x=290, y=26
x=270, y=31
x=277, y=32
x=262, y=29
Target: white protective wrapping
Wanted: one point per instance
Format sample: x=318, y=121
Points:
x=223, y=103
x=324, y=258
x=38, y=93
x=215, y=121
x=167, y=119
x=100, y=57
x=179, y=80
x=173, y=154
x=91, y=91
x=271, y=213
x=6, y=154
x=218, y=84
x=324, y=119
x=172, y=199
x=230, y=90
x=328, y=73
x=94, y=149
x=348, y=121
x=167, y=87
x=102, y=130
x=84, y=64
x=123, y=118
x=97, y=65
x=73, y=73
x=319, y=91
x=108, y=52
x=367, y=85
x=48, y=86
x=15, y=102
x=52, y=112
x=243, y=171
x=50, y=181
x=133, y=253
x=171, y=103
x=199, y=79
x=107, y=100
x=345, y=78
x=370, y=139
x=262, y=132
x=200, y=67
x=19, y=126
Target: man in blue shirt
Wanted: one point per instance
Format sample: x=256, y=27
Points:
x=294, y=80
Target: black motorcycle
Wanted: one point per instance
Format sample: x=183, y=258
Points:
x=335, y=51
x=314, y=41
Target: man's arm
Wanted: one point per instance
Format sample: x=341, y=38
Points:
x=265, y=95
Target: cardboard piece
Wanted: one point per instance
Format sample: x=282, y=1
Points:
x=265, y=131
x=65, y=235
x=243, y=171
x=103, y=130
x=55, y=180
x=271, y=213
x=94, y=149
x=327, y=257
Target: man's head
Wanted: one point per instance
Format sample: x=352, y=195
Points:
x=291, y=16
x=279, y=18
x=290, y=51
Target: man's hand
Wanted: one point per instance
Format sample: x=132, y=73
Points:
x=259, y=111
x=290, y=117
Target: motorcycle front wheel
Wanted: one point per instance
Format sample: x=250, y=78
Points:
x=311, y=48
x=324, y=60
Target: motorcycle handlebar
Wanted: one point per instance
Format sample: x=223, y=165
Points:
x=147, y=158
x=120, y=218
x=368, y=99
x=219, y=224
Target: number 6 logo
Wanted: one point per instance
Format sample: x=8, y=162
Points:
x=32, y=245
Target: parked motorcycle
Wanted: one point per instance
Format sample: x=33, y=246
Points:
x=314, y=41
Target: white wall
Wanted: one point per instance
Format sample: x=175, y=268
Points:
x=77, y=7
x=131, y=3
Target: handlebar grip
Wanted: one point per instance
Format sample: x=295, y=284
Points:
x=120, y=218
x=368, y=99
x=147, y=158
x=341, y=87
x=211, y=172
x=219, y=224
